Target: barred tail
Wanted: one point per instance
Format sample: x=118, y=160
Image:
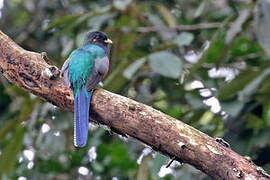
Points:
x=81, y=116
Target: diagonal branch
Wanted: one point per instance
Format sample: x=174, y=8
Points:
x=163, y=133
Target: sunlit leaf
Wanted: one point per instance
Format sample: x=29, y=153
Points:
x=206, y=118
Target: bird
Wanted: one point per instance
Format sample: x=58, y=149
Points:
x=82, y=71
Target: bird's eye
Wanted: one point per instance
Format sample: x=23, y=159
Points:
x=94, y=40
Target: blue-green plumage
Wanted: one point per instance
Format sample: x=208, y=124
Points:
x=85, y=67
x=81, y=65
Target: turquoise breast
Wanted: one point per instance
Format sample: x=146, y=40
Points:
x=82, y=62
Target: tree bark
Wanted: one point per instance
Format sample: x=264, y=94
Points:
x=161, y=132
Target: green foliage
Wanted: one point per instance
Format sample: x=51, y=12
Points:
x=11, y=150
x=171, y=68
x=118, y=157
x=151, y=62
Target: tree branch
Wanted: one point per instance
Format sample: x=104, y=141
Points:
x=192, y=27
x=163, y=133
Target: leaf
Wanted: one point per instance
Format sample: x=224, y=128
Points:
x=199, y=11
x=51, y=144
x=50, y=166
x=132, y=69
x=158, y=161
x=97, y=21
x=217, y=50
x=143, y=171
x=260, y=140
x=262, y=24
x=166, y=64
x=263, y=93
x=206, y=118
x=217, y=46
x=10, y=152
x=167, y=16
x=229, y=90
x=236, y=26
x=266, y=111
x=244, y=46
x=157, y=22
x=118, y=154
x=7, y=128
x=62, y=21
x=254, y=122
x=174, y=111
x=184, y=39
x=195, y=102
x=71, y=25
x=232, y=108
x=121, y=4
x=252, y=87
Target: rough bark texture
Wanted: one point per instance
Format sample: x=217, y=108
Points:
x=163, y=133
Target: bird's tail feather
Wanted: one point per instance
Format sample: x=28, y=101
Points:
x=81, y=116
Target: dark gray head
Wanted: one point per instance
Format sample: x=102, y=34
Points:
x=99, y=38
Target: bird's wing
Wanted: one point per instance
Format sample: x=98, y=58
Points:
x=99, y=71
x=65, y=73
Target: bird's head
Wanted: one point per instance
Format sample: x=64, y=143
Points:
x=99, y=38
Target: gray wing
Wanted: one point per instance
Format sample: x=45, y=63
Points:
x=99, y=71
x=65, y=73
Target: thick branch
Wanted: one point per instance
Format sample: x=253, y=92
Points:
x=163, y=133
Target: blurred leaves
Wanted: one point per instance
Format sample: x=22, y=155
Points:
x=165, y=64
x=160, y=48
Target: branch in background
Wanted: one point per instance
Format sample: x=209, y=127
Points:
x=192, y=27
x=161, y=132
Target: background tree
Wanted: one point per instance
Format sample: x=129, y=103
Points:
x=206, y=63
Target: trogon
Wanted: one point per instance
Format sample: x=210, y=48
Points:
x=82, y=71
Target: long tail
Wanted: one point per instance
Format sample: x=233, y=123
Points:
x=81, y=116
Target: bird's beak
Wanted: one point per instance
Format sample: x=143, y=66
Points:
x=108, y=41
